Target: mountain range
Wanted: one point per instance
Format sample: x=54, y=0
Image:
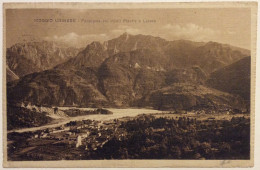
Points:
x=131, y=71
x=30, y=57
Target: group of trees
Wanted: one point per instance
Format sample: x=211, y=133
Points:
x=19, y=117
x=183, y=138
x=78, y=112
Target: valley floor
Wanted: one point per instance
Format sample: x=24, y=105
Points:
x=151, y=135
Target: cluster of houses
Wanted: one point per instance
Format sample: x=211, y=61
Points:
x=227, y=111
x=86, y=133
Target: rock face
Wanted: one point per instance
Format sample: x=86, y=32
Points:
x=26, y=58
x=234, y=79
x=133, y=71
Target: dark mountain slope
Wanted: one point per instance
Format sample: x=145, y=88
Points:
x=234, y=79
x=186, y=96
x=58, y=88
x=10, y=75
x=19, y=65
x=127, y=76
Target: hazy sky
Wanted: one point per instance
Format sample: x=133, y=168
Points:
x=231, y=26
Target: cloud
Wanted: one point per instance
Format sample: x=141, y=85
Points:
x=73, y=39
x=189, y=32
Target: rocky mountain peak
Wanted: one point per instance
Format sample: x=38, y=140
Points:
x=95, y=45
x=125, y=36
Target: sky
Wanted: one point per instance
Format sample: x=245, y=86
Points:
x=224, y=25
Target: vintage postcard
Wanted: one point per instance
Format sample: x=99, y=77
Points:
x=129, y=84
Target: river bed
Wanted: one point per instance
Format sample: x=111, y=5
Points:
x=117, y=113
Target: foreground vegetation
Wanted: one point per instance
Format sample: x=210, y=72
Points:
x=162, y=138
x=19, y=117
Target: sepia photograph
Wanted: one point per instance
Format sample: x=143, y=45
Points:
x=125, y=82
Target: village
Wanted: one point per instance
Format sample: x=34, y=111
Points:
x=88, y=133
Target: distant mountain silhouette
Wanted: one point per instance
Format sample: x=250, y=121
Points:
x=30, y=57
